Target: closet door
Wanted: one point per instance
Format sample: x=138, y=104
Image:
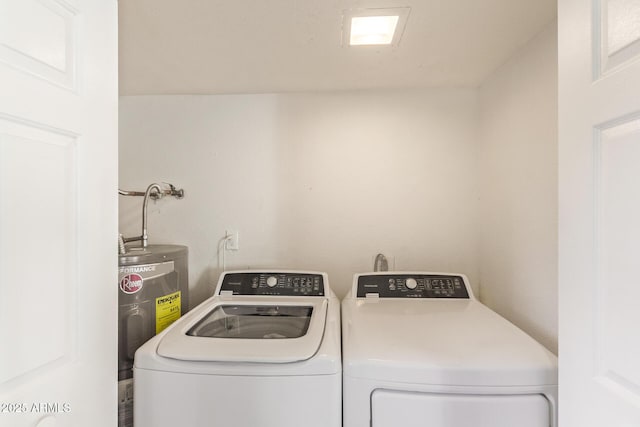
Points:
x=58, y=212
x=599, y=87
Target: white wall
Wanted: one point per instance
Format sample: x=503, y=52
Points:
x=518, y=189
x=311, y=181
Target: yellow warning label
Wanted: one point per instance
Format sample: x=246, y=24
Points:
x=167, y=310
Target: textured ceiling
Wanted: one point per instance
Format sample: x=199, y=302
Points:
x=257, y=46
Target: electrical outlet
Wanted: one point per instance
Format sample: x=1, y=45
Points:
x=232, y=244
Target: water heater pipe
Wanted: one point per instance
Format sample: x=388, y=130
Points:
x=172, y=191
x=155, y=192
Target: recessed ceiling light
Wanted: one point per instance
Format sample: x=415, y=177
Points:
x=374, y=26
x=372, y=29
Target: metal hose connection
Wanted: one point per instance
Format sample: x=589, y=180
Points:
x=122, y=249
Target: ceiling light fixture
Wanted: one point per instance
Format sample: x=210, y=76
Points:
x=374, y=26
x=372, y=29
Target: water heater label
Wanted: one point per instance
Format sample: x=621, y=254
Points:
x=131, y=283
x=167, y=310
x=148, y=271
x=131, y=278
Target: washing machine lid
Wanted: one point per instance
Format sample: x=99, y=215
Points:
x=248, y=329
x=254, y=321
x=440, y=342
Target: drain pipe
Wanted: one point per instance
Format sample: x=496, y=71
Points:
x=380, y=263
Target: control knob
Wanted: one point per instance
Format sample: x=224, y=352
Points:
x=411, y=283
x=272, y=281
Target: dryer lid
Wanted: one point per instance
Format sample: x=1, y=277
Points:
x=440, y=342
x=262, y=331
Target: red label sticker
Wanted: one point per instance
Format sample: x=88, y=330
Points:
x=131, y=283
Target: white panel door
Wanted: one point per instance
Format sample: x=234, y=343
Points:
x=58, y=213
x=599, y=86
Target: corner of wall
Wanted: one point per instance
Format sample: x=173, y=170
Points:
x=518, y=188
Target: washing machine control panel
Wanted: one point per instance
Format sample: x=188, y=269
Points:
x=266, y=283
x=412, y=286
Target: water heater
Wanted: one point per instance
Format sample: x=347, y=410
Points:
x=153, y=283
x=153, y=293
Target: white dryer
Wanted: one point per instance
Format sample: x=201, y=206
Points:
x=420, y=350
x=263, y=351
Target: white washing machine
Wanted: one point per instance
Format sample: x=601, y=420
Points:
x=263, y=351
x=420, y=350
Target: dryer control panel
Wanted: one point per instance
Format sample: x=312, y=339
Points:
x=266, y=283
x=412, y=286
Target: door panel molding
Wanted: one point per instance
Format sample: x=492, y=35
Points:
x=617, y=204
x=38, y=172
x=49, y=52
x=615, y=35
